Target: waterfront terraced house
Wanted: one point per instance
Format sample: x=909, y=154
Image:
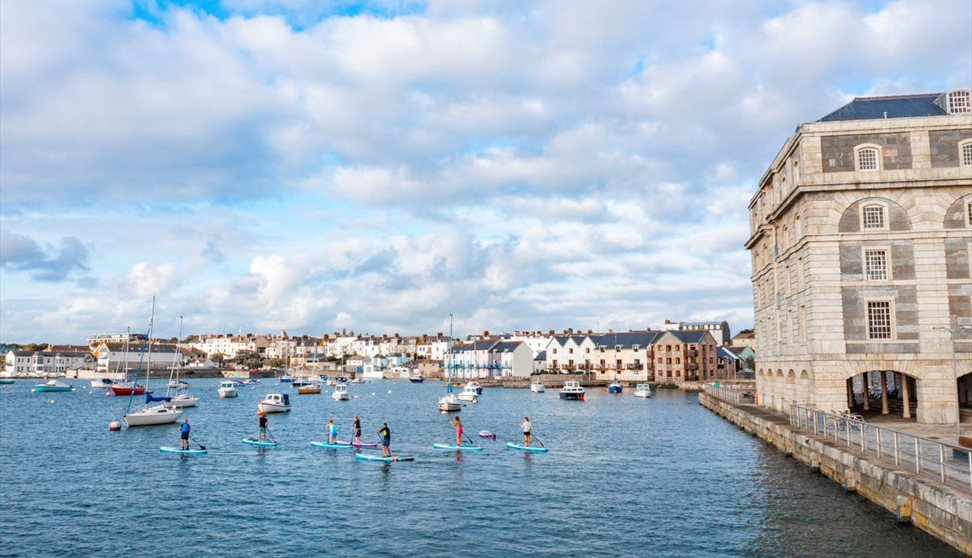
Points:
x=861, y=249
x=625, y=356
x=112, y=357
x=685, y=356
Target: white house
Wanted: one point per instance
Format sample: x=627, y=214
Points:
x=113, y=357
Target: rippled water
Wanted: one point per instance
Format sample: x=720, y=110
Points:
x=624, y=477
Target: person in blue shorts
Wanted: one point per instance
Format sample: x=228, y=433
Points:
x=331, y=431
x=184, y=442
x=385, y=434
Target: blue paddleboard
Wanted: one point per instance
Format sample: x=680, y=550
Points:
x=448, y=447
x=167, y=449
x=252, y=442
x=366, y=457
x=533, y=449
x=331, y=446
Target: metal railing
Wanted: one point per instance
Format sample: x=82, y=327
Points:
x=949, y=463
x=734, y=395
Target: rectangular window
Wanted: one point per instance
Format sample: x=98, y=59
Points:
x=959, y=101
x=879, y=319
x=867, y=159
x=873, y=217
x=876, y=265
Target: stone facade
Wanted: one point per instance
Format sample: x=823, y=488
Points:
x=858, y=271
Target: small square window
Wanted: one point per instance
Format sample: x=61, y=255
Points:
x=867, y=159
x=873, y=217
x=876, y=265
x=959, y=101
x=967, y=154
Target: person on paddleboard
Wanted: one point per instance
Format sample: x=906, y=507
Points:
x=331, y=431
x=356, y=427
x=184, y=442
x=457, y=424
x=385, y=434
x=527, y=427
x=263, y=426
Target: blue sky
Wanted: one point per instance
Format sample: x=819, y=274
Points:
x=299, y=165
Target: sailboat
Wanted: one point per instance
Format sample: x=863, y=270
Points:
x=181, y=397
x=451, y=401
x=127, y=387
x=150, y=414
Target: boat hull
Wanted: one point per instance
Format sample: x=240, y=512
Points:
x=468, y=397
x=537, y=388
x=340, y=396
x=122, y=390
x=153, y=416
x=530, y=449
x=572, y=396
x=309, y=390
x=42, y=388
x=416, y=380
x=182, y=402
x=226, y=393
x=615, y=389
x=273, y=407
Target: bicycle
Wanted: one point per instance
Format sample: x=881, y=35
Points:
x=845, y=418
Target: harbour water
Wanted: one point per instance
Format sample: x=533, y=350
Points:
x=624, y=477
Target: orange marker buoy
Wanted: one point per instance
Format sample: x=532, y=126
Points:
x=114, y=426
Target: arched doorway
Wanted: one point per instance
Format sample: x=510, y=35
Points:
x=883, y=392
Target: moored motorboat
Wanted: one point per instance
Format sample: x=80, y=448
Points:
x=52, y=385
x=469, y=394
x=615, y=387
x=227, y=389
x=476, y=386
x=537, y=387
x=286, y=379
x=572, y=391
x=275, y=403
x=309, y=389
x=182, y=400
x=4, y=381
x=450, y=403
x=416, y=379
x=341, y=393
x=102, y=383
x=642, y=390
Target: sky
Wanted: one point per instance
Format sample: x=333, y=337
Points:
x=315, y=165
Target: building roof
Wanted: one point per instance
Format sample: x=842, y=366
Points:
x=727, y=353
x=542, y=355
x=899, y=106
x=505, y=346
x=626, y=339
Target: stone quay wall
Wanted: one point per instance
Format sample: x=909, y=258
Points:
x=942, y=511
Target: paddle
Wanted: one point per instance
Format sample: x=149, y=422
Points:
x=538, y=441
x=468, y=439
x=272, y=438
x=202, y=447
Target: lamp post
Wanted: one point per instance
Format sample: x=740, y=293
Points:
x=958, y=414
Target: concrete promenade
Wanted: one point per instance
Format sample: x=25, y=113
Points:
x=941, y=507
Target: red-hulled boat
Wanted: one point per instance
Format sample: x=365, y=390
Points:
x=126, y=388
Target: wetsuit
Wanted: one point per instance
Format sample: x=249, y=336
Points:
x=385, y=434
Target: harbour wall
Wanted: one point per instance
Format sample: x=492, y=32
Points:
x=942, y=511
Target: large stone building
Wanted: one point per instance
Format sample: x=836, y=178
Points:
x=862, y=260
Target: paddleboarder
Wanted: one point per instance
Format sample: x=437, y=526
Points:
x=457, y=424
x=385, y=434
x=527, y=427
x=263, y=426
x=331, y=431
x=356, y=427
x=184, y=441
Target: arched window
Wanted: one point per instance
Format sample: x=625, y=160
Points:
x=868, y=158
x=965, y=153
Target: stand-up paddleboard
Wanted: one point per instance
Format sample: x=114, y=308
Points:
x=450, y=447
x=258, y=443
x=330, y=446
x=357, y=444
x=487, y=434
x=533, y=449
x=366, y=457
x=168, y=449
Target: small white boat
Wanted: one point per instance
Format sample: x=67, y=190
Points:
x=450, y=403
x=52, y=385
x=155, y=414
x=341, y=392
x=572, y=390
x=182, y=400
x=537, y=387
x=102, y=383
x=476, y=386
x=642, y=390
x=469, y=394
x=275, y=403
x=227, y=389
x=177, y=384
